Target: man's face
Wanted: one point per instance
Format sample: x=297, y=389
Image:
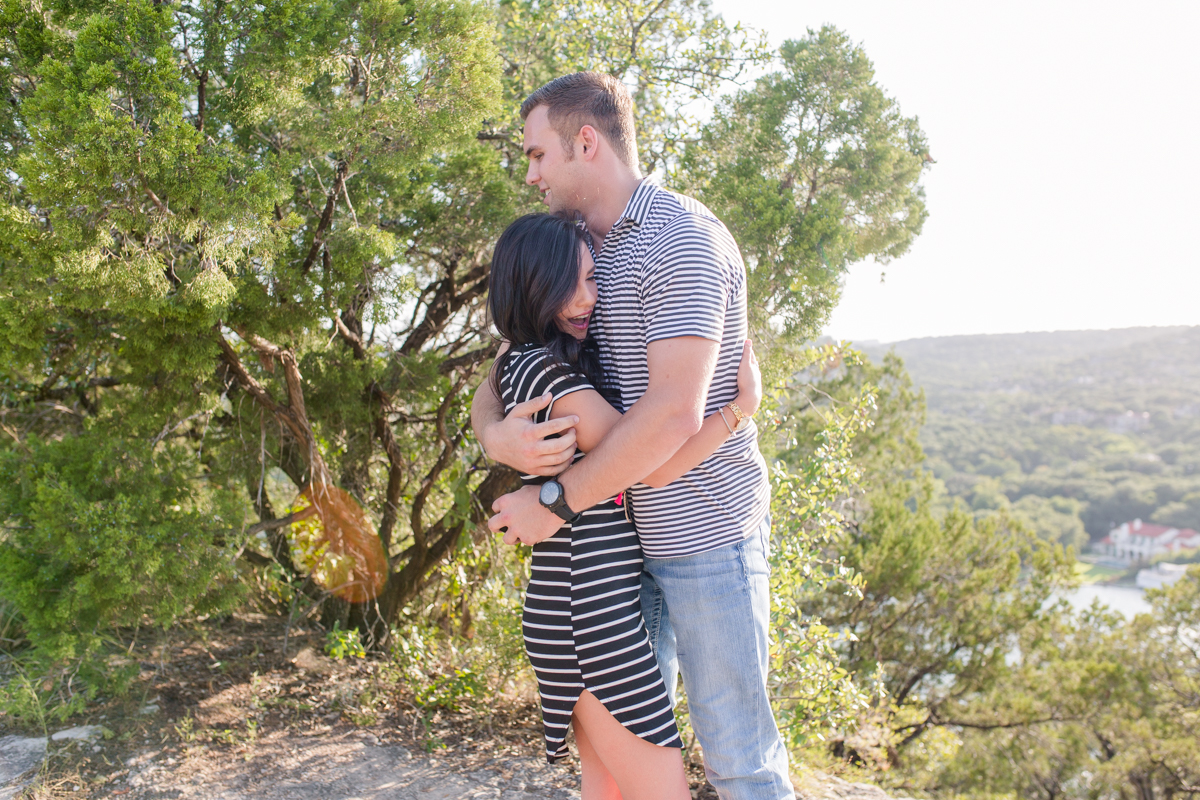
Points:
x=551, y=166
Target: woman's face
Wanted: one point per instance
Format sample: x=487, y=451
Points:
x=577, y=313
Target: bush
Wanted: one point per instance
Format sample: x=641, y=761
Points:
x=102, y=533
x=340, y=644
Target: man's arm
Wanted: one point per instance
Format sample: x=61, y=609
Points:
x=516, y=440
x=716, y=429
x=667, y=415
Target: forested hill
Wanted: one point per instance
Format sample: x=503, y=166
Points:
x=1071, y=427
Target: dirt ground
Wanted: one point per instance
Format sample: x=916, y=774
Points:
x=220, y=715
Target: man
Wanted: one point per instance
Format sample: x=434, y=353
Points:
x=670, y=323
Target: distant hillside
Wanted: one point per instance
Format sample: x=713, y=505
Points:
x=958, y=362
x=1101, y=426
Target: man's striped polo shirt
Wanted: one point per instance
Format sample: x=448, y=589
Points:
x=669, y=268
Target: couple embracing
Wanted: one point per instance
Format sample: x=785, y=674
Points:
x=623, y=315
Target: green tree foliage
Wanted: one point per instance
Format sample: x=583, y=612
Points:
x=214, y=204
x=813, y=169
x=1055, y=519
x=260, y=232
x=1114, y=709
x=946, y=600
x=104, y=534
x=936, y=599
x=973, y=677
x=812, y=692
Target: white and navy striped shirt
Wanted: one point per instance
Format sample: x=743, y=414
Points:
x=669, y=268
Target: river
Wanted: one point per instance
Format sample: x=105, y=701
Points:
x=1128, y=600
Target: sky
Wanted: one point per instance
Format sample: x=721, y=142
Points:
x=1066, y=193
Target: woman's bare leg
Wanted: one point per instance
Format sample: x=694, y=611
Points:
x=598, y=783
x=641, y=770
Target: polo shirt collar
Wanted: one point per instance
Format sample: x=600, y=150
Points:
x=639, y=204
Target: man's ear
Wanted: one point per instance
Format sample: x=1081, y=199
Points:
x=588, y=139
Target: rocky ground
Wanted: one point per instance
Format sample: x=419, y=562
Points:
x=222, y=717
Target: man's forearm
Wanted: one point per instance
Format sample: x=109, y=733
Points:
x=667, y=415
x=516, y=440
x=641, y=442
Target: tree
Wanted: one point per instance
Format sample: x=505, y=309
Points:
x=813, y=169
x=117, y=535
x=932, y=600
x=1055, y=519
x=983, y=681
x=205, y=193
x=1113, y=706
x=262, y=232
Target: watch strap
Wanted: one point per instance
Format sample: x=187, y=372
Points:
x=560, y=507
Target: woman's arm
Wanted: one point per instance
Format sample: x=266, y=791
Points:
x=596, y=417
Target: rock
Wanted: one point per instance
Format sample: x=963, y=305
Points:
x=149, y=708
x=285, y=766
x=819, y=786
x=19, y=759
x=141, y=758
x=81, y=732
x=309, y=659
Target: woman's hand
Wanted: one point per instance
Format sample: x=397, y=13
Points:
x=749, y=381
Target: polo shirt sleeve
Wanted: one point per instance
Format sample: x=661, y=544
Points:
x=535, y=372
x=686, y=284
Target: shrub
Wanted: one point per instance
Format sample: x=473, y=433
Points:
x=102, y=533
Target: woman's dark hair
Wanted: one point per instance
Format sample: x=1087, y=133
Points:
x=534, y=274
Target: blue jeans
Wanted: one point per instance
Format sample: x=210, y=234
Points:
x=708, y=615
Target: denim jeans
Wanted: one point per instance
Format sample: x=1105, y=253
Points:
x=707, y=616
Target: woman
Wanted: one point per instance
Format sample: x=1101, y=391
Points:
x=582, y=621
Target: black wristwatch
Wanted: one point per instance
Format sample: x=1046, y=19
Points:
x=551, y=495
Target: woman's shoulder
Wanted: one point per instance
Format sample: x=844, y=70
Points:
x=529, y=352
x=533, y=358
x=532, y=370
x=524, y=358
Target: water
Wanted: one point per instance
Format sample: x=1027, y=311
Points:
x=1128, y=600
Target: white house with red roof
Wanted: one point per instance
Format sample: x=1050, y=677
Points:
x=1144, y=541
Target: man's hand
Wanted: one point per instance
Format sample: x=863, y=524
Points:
x=527, y=520
x=521, y=444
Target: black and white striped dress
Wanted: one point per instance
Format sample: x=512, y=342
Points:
x=583, y=622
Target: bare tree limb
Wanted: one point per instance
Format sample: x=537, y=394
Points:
x=294, y=415
x=469, y=360
x=282, y=522
x=326, y=218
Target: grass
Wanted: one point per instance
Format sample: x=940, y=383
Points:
x=1096, y=573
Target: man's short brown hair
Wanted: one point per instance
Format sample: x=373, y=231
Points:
x=588, y=98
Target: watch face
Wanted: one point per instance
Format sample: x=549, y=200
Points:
x=743, y=423
x=549, y=493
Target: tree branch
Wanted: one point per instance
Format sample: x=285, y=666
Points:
x=468, y=360
x=351, y=338
x=293, y=415
x=404, y=585
x=326, y=218
x=66, y=391
x=282, y=522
